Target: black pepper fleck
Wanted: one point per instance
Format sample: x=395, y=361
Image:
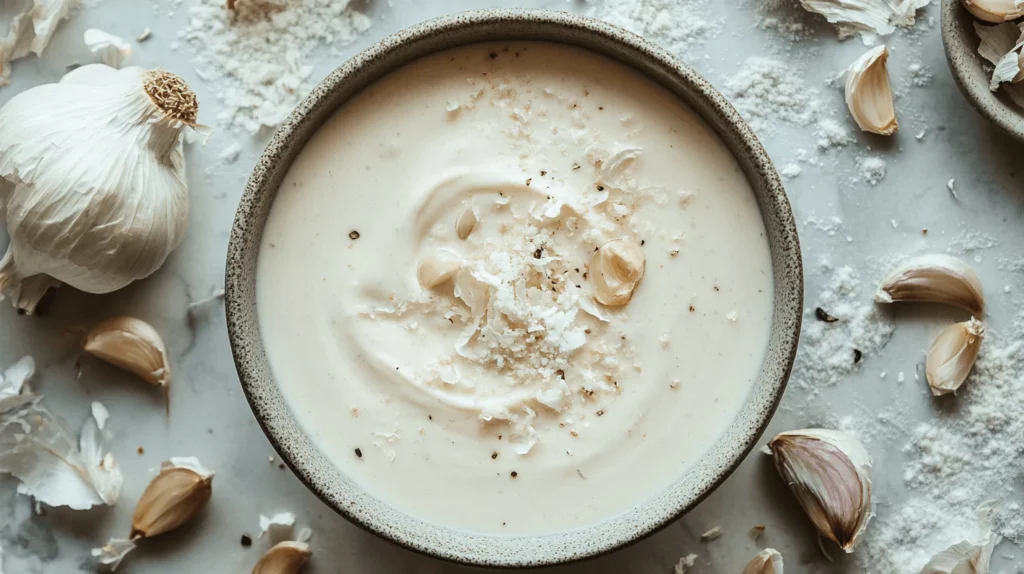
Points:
x=600, y=188
x=514, y=474
x=823, y=315
x=600, y=413
x=543, y=173
x=642, y=241
x=353, y=235
x=529, y=180
x=246, y=540
x=359, y=452
x=692, y=308
x=537, y=253
x=281, y=466
x=494, y=455
x=493, y=55
x=857, y=356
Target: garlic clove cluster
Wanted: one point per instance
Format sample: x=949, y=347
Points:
x=767, y=561
x=829, y=472
x=994, y=11
x=952, y=355
x=934, y=278
x=868, y=94
x=94, y=180
x=615, y=270
x=283, y=558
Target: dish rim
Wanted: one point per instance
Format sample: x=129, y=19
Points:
x=342, y=495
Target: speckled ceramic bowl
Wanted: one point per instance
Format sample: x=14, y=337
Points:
x=972, y=72
x=326, y=480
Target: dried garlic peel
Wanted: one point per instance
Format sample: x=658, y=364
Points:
x=934, y=278
x=829, y=473
x=110, y=555
x=767, y=561
x=994, y=11
x=868, y=94
x=112, y=50
x=133, y=345
x=952, y=355
x=615, y=270
x=174, y=496
x=283, y=558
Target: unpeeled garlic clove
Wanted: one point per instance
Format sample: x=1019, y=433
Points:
x=174, y=496
x=283, y=558
x=133, y=345
x=615, y=270
x=994, y=11
x=829, y=472
x=968, y=557
x=466, y=222
x=934, y=278
x=438, y=268
x=767, y=561
x=952, y=355
x=868, y=94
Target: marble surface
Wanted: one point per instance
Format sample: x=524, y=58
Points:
x=209, y=417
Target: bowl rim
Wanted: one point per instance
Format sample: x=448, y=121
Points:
x=277, y=421
x=960, y=45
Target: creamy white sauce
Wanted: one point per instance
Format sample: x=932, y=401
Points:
x=504, y=399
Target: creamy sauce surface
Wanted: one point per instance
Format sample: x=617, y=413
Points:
x=431, y=282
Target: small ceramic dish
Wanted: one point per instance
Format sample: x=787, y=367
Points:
x=323, y=477
x=972, y=72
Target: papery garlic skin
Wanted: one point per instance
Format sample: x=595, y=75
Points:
x=93, y=179
x=133, y=345
x=283, y=558
x=934, y=278
x=109, y=556
x=113, y=50
x=868, y=93
x=30, y=31
x=829, y=472
x=994, y=11
x=767, y=561
x=174, y=496
x=952, y=355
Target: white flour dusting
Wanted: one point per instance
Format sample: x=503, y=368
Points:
x=829, y=349
x=871, y=169
x=681, y=26
x=260, y=56
x=767, y=92
x=966, y=455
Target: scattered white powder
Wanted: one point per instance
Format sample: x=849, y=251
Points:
x=970, y=242
x=784, y=17
x=871, y=169
x=831, y=350
x=681, y=26
x=965, y=456
x=832, y=134
x=767, y=91
x=919, y=75
x=790, y=170
x=260, y=56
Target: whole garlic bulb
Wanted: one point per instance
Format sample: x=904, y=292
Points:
x=93, y=180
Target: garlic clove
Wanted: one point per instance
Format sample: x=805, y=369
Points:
x=829, y=473
x=113, y=50
x=283, y=558
x=466, y=222
x=952, y=355
x=615, y=270
x=133, y=345
x=175, y=495
x=934, y=278
x=438, y=268
x=868, y=94
x=994, y=11
x=767, y=561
